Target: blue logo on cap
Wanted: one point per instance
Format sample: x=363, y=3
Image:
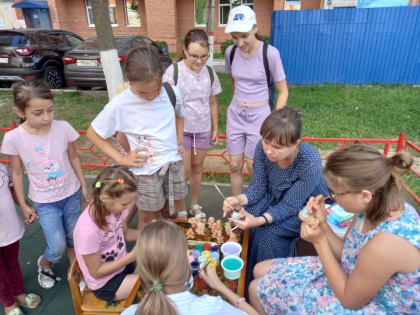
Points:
x=239, y=17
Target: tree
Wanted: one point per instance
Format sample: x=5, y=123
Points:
x=109, y=56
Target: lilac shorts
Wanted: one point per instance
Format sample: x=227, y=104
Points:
x=243, y=128
x=199, y=140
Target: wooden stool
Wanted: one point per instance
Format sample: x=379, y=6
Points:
x=85, y=302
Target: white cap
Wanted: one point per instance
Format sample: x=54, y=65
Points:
x=241, y=19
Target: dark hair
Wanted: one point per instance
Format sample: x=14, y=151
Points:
x=194, y=35
x=142, y=65
x=361, y=166
x=24, y=91
x=161, y=257
x=113, y=181
x=283, y=126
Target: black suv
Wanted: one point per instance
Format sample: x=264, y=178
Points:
x=35, y=53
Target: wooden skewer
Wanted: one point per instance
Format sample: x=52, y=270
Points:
x=219, y=191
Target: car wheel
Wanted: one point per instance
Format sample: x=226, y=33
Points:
x=54, y=77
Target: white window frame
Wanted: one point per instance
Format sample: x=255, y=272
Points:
x=90, y=7
x=230, y=8
x=195, y=22
x=126, y=15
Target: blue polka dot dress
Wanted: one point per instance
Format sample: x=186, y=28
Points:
x=282, y=192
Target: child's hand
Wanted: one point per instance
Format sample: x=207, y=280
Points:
x=316, y=206
x=181, y=149
x=214, y=137
x=313, y=234
x=231, y=203
x=30, y=214
x=208, y=274
x=86, y=194
x=134, y=158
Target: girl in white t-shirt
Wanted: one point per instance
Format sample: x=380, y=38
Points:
x=199, y=86
x=164, y=270
x=11, y=231
x=45, y=147
x=101, y=233
x=153, y=123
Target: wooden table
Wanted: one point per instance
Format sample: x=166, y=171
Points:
x=200, y=287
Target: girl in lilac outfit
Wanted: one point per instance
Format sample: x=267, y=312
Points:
x=199, y=95
x=249, y=106
x=45, y=148
x=375, y=269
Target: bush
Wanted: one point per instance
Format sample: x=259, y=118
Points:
x=162, y=44
x=225, y=45
x=229, y=42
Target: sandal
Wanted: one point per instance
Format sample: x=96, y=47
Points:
x=46, y=277
x=181, y=214
x=29, y=299
x=200, y=215
x=15, y=311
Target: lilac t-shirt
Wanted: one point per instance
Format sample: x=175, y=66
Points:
x=249, y=73
x=11, y=225
x=196, y=89
x=51, y=176
x=89, y=239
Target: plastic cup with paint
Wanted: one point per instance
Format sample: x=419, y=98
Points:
x=205, y=253
x=202, y=259
x=213, y=262
x=198, y=247
x=215, y=248
x=232, y=267
x=231, y=249
x=207, y=246
x=195, y=268
x=195, y=253
x=216, y=256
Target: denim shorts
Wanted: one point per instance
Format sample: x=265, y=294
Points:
x=58, y=220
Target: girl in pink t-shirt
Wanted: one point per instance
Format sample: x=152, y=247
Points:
x=101, y=232
x=45, y=147
x=199, y=86
x=11, y=230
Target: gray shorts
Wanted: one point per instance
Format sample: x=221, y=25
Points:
x=153, y=190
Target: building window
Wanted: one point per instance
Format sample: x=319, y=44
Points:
x=226, y=5
x=132, y=12
x=200, y=12
x=112, y=12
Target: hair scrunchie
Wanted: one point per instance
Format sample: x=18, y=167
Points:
x=157, y=286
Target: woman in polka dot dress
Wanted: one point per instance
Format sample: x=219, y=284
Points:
x=286, y=173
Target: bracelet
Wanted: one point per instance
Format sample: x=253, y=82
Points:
x=242, y=299
x=265, y=218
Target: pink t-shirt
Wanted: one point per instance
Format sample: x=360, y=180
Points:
x=196, y=91
x=249, y=73
x=89, y=239
x=11, y=225
x=51, y=176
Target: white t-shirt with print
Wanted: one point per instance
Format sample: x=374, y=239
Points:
x=11, y=225
x=148, y=124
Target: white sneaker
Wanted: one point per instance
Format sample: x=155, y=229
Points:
x=46, y=277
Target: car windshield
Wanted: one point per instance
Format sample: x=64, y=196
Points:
x=13, y=40
x=92, y=43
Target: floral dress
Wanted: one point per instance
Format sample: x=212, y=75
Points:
x=298, y=285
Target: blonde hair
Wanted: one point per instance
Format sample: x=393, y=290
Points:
x=142, y=65
x=113, y=181
x=162, y=257
x=362, y=167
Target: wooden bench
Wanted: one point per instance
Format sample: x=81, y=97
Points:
x=85, y=301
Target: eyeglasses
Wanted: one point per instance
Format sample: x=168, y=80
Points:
x=334, y=195
x=195, y=57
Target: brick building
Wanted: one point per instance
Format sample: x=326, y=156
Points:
x=167, y=20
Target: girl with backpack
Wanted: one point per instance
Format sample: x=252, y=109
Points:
x=253, y=65
x=199, y=86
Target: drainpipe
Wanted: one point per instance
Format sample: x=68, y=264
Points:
x=210, y=30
